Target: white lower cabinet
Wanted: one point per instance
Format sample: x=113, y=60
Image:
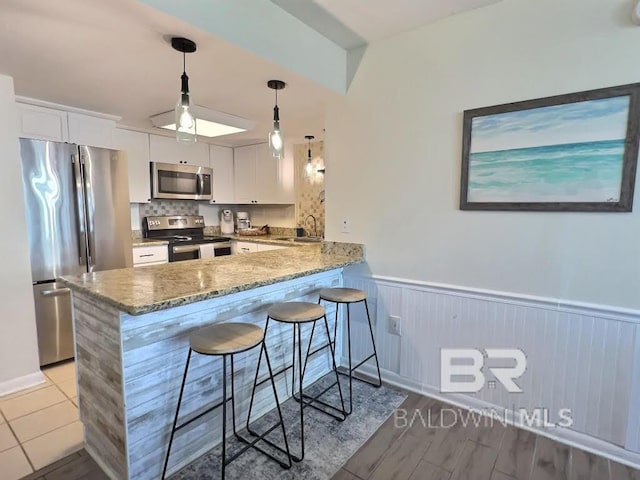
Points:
x=150, y=255
x=239, y=246
x=243, y=247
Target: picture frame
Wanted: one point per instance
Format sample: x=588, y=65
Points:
x=576, y=152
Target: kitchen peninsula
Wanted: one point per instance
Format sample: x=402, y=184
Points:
x=132, y=328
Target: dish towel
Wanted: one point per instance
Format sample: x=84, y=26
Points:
x=207, y=250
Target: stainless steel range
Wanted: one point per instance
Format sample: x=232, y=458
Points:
x=185, y=234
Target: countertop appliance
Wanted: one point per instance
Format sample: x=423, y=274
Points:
x=226, y=222
x=78, y=221
x=243, y=220
x=182, y=182
x=185, y=234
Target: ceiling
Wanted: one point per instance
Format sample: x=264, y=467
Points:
x=346, y=21
x=113, y=57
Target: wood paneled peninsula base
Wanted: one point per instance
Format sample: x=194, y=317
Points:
x=131, y=331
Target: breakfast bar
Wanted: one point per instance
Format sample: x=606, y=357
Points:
x=131, y=332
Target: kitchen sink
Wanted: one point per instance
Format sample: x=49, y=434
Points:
x=301, y=239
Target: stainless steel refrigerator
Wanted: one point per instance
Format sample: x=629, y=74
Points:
x=78, y=220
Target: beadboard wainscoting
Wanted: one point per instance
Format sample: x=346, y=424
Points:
x=585, y=358
x=130, y=369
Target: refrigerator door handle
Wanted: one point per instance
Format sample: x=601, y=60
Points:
x=89, y=208
x=80, y=208
x=55, y=293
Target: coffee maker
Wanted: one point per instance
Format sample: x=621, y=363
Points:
x=226, y=222
x=242, y=219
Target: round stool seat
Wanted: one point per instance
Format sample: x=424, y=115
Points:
x=342, y=295
x=226, y=338
x=296, y=312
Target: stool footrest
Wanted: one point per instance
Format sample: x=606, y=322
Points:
x=275, y=374
x=252, y=444
x=201, y=414
x=261, y=437
x=313, y=400
x=320, y=348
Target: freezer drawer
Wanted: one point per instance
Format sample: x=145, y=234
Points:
x=54, y=323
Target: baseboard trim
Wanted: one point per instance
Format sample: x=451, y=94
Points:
x=562, y=435
x=21, y=383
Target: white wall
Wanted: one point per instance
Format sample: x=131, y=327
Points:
x=393, y=148
x=18, y=339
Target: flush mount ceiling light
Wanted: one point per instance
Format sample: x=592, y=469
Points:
x=308, y=171
x=209, y=123
x=185, y=123
x=276, y=142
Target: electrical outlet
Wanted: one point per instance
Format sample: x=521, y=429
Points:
x=345, y=225
x=395, y=326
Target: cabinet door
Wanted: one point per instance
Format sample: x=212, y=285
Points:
x=221, y=161
x=243, y=247
x=42, y=123
x=91, y=131
x=153, y=254
x=168, y=150
x=244, y=160
x=267, y=175
x=136, y=144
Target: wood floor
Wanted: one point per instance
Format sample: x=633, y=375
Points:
x=415, y=447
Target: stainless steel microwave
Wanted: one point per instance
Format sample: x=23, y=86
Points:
x=185, y=182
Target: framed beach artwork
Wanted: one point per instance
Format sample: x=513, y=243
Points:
x=575, y=152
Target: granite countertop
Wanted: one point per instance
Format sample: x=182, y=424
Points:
x=152, y=288
x=145, y=242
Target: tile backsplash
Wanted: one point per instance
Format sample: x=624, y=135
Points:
x=309, y=190
x=168, y=207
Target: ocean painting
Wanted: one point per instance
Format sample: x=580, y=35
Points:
x=567, y=153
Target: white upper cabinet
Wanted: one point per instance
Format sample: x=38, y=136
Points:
x=136, y=144
x=221, y=161
x=92, y=131
x=259, y=178
x=244, y=159
x=267, y=174
x=168, y=150
x=42, y=123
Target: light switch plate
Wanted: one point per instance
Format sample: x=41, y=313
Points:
x=346, y=225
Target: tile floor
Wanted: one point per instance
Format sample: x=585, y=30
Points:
x=40, y=425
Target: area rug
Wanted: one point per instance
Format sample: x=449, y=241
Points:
x=328, y=443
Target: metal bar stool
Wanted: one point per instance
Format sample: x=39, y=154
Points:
x=226, y=340
x=297, y=314
x=348, y=296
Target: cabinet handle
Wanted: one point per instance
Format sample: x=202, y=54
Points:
x=147, y=255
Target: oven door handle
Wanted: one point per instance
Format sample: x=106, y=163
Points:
x=185, y=248
x=220, y=245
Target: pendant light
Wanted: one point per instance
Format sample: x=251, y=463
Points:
x=308, y=170
x=185, y=121
x=276, y=142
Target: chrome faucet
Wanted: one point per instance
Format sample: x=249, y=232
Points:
x=315, y=225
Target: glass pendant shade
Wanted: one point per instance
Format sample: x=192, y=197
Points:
x=276, y=142
x=185, y=121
